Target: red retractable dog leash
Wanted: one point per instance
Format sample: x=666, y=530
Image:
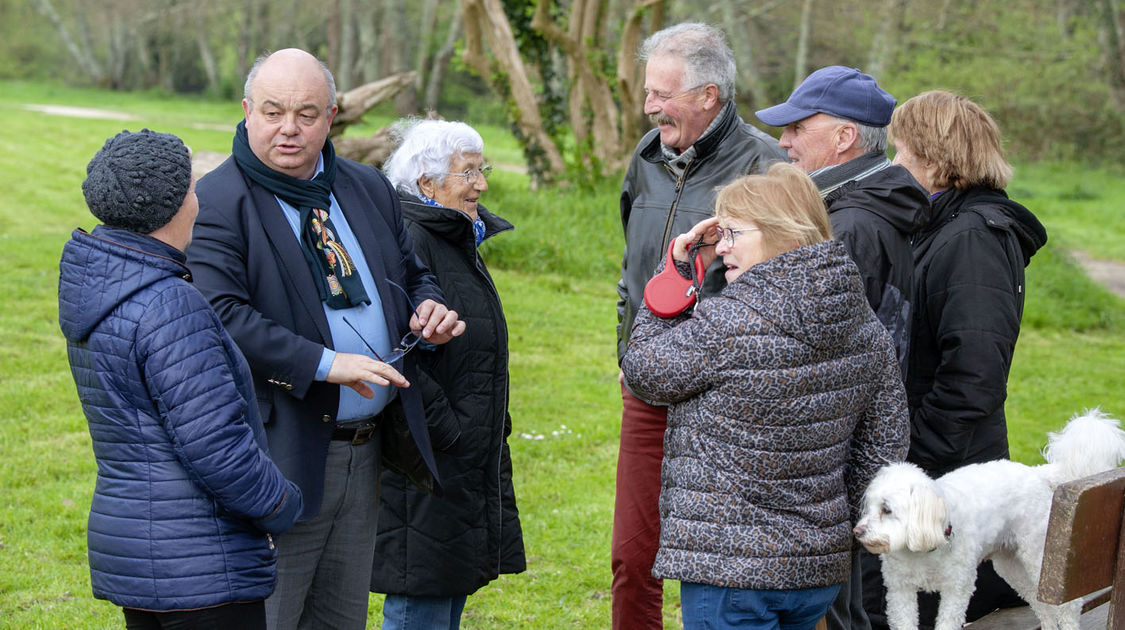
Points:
x=668, y=293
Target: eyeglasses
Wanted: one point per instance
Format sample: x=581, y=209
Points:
x=473, y=174
x=729, y=234
x=406, y=344
x=662, y=97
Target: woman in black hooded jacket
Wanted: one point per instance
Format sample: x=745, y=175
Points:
x=969, y=289
x=434, y=551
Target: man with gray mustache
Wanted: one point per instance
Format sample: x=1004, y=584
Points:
x=699, y=144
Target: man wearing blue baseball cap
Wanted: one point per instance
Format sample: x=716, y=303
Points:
x=836, y=130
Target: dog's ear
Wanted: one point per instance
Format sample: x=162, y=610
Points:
x=926, y=519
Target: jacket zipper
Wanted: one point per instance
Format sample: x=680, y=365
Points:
x=675, y=202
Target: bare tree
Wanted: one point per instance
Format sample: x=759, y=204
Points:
x=203, y=43
x=484, y=20
x=801, y=62
x=367, y=33
x=80, y=51
x=250, y=37
x=440, y=63
x=1110, y=35
x=604, y=126
x=594, y=114
x=630, y=76
x=345, y=60
x=742, y=43
x=886, y=38
x=425, y=37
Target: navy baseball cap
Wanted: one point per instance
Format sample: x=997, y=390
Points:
x=838, y=91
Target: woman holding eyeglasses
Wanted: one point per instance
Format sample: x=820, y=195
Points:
x=432, y=552
x=785, y=399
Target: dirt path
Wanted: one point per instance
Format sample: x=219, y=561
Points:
x=1111, y=273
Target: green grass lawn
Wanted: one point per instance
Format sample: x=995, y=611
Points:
x=556, y=275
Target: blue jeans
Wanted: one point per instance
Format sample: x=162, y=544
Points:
x=707, y=607
x=402, y=612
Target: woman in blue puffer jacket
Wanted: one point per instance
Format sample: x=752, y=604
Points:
x=186, y=498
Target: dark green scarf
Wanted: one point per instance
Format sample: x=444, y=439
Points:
x=337, y=279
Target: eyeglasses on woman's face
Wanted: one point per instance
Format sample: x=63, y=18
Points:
x=728, y=234
x=406, y=344
x=473, y=174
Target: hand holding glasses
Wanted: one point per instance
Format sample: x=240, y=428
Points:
x=406, y=344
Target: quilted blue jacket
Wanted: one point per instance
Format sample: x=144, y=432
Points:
x=186, y=496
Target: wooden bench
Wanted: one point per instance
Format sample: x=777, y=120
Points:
x=1084, y=554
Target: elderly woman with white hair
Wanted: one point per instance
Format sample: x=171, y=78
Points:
x=432, y=552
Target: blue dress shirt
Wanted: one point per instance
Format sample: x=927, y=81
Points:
x=368, y=319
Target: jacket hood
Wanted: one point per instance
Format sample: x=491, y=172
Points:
x=998, y=210
x=891, y=193
x=448, y=222
x=102, y=269
x=812, y=293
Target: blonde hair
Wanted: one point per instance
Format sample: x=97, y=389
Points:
x=783, y=203
x=955, y=136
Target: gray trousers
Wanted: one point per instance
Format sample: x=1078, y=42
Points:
x=846, y=613
x=324, y=565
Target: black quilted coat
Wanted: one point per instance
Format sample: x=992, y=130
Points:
x=785, y=399
x=969, y=276
x=452, y=545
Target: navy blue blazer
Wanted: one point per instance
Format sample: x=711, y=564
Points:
x=246, y=260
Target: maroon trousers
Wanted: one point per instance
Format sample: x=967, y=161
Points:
x=638, y=598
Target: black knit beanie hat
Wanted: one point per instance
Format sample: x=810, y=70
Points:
x=138, y=181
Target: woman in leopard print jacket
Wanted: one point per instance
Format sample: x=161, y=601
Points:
x=785, y=398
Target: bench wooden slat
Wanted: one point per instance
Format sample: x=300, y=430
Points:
x=1082, y=535
x=1022, y=618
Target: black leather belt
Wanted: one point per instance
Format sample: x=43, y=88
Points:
x=356, y=435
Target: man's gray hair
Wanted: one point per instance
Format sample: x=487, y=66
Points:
x=869, y=138
x=428, y=148
x=707, y=56
x=253, y=74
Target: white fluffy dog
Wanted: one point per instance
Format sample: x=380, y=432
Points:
x=934, y=533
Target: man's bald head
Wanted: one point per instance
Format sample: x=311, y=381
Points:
x=289, y=60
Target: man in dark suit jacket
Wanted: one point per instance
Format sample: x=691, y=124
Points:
x=306, y=260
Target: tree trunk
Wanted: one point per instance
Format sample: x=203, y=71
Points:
x=82, y=55
x=396, y=40
x=594, y=114
x=1109, y=34
x=425, y=37
x=345, y=62
x=368, y=35
x=485, y=19
x=743, y=45
x=1064, y=16
x=886, y=38
x=630, y=75
x=115, y=59
x=440, y=64
x=801, y=62
x=249, y=36
x=206, y=54
x=354, y=103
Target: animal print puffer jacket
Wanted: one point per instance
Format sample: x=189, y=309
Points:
x=785, y=399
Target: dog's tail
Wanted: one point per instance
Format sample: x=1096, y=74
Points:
x=1090, y=443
